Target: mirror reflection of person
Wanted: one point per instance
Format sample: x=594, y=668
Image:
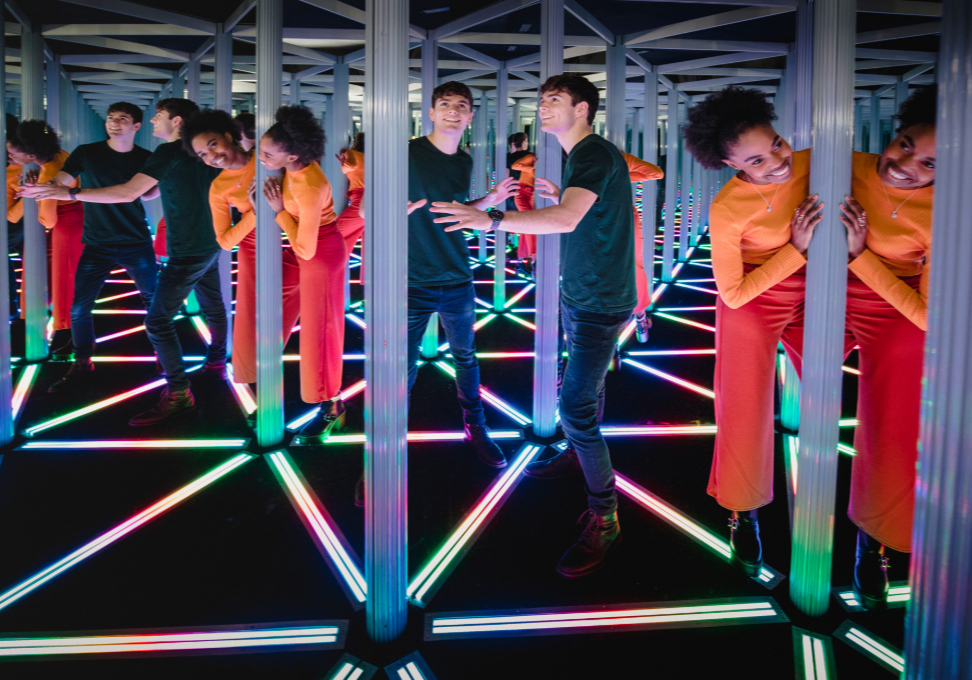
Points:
x=246, y=124
x=889, y=227
x=351, y=222
x=760, y=226
x=15, y=223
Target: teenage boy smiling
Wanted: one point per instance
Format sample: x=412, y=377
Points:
x=594, y=218
x=439, y=277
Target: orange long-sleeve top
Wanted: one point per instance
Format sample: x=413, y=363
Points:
x=526, y=166
x=641, y=171
x=743, y=231
x=353, y=167
x=15, y=206
x=230, y=190
x=47, y=209
x=308, y=204
x=896, y=247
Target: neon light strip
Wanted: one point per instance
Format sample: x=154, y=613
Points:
x=698, y=280
x=870, y=646
x=202, y=329
x=519, y=296
x=12, y=647
x=704, y=290
x=658, y=293
x=598, y=619
x=521, y=321
x=671, y=378
x=626, y=333
x=106, y=539
x=119, y=311
x=129, y=281
x=425, y=437
x=431, y=572
x=896, y=595
x=345, y=395
x=118, y=271
x=687, y=322
x=815, y=656
x=686, y=309
x=848, y=369
x=683, y=522
x=119, y=359
x=490, y=398
x=476, y=326
x=670, y=352
x=356, y=320
x=117, y=297
x=484, y=304
x=242, y=391
x=848, y=422
x=700, y=264
x=328, y=539
x=623, y=431
x=137, y=444
x=504, y=355
x=23, y=388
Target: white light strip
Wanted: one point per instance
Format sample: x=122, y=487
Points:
x=23, y=387
x=671, y=378
x=876, y=648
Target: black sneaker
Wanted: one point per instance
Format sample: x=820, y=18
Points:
x=171, y=404
x=485, y=447
x=62, y=349
x=211, y=370
x=587, y=555
x=642, y=326
x=870, y=573
x=330, y=416
x=746, y=546
x=78, y=375
x=561, y=465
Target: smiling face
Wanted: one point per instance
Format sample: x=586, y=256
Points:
x=558, y=114
x=451, y=114
x=18, y=157
x=120, y=125
x=909, y=161
x=218, y=150
x=763, y=155
x=272, y=156
x=163, y=125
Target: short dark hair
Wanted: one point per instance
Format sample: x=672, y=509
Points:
x=580, y=90
x=130, y=109
x=207, y=120
x=174, y=106
x=715, y=123
x=36, y=138
x=516, y=139
x=298, y=132
x=920, y=108
x=12, y=125
x=452, y=88
x=246, y=122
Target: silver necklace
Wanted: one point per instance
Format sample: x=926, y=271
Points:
x=769, y=204
x=894, y=211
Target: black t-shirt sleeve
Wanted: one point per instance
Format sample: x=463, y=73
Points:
x=158, y=164
x=74, y=165
x=592, y=170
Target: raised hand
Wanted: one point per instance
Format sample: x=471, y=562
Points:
x=804, y=221
x=504, y=189
x=855, y=219
x=273, y=192
x=465, y=216
x=547, y=189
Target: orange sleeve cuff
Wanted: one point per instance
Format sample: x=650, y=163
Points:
x=911, y=303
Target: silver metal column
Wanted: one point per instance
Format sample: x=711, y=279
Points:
x=874, y=141
x=499, y=154
x=269, y=317
x=548, y=151
x=178, y=87
x=617, y=62
x=685, y=196
x=830, y=177
x=636, y=132
x=900, y=94
x=342, y=128
x=223, y=100
x=698, y=224
x=649, y=194
x=480, y=171
x=671, y=187
x=939, y=622
x=802, y=82
x=294, y=91
x=6, y=379
x=430, y=79
x=858, y=125
x=192, y=80
x=35, y=240
x=53, y=75
x=386, y=246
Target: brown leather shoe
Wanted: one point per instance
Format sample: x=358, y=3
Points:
x=561, y=465
x=170, y=405
x=587, y=555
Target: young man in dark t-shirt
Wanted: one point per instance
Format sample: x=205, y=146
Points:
x=439, y=276
x=193, y=254
x=114, y=236
x=596, y=227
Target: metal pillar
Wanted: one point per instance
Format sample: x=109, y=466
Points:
x=548, y=246
x=685, y=195
x=499, y=154
x=295, y=91
x=192, y=80
x=874, y=136
x=939, y=621
x=6, y=379
x=802, y=83
x=430, y=79
x=35, y=240
x=53, y=75
x=178, y=87
x=342, y=129
x=386, y=245
x=517, y=116
x=858, y=125
x=830, y=177
x=430, y=339
x=636, y=132
x=223, y=100
x=269, y=318
x=900, y=94
x=617, y=62
x=671, y=186
x=649, y=193
x=698, y=224
x=480, y=171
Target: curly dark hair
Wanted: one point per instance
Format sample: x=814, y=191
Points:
x=452, y=88
x=298, y=132
x=207, y=120
x=715, y=123
x=580, y=90
x=247, y=124
x=920, y=108
x=36, y=138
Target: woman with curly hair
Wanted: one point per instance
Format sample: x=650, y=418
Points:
x=889, y=224
x=302, y=199
x=37, y=142
x=760, y=226
x=214, y=137
x=350, y=222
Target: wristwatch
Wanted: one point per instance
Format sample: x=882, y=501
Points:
x=73, y=192
x=497, y=217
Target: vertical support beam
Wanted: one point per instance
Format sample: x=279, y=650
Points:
x=617, y=61
x=649, y=194
x=548, y=246
x=698, y=224
x=784, y=100
x=517, y=116
x=178, y=86
x=480, y=171
x=35, y=240
x=874, y=141
x=685, y=195
x=859, y=125
x=223, y=100
x=6, y=379
x=192, y=80
x=342, y=128
x=671, y=186
x=499, y=154
x=53, y=76
x=802, y=83
x=939, y=620
x=295, y=91
x=269, y=318
x=900, y=94
x=386, y=279
x=430, y=79
x=830, y=177
x=636, y=132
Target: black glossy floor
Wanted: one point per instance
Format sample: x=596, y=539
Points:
x=237, y=551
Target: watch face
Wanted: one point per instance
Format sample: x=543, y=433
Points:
x=496, y=215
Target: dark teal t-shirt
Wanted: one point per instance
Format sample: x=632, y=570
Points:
x=436, y=258
x=99, y=166
x=597, y=258
x=184, y=187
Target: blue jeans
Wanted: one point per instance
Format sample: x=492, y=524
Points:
x=457, y=310
x=591, y=338
x=96, y=263
x=180, y=276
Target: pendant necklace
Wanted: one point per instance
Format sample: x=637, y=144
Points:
x=894, y=211
x=769, y=204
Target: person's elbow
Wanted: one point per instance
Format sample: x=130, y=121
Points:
x=733, y=299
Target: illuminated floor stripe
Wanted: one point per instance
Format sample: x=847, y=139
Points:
x=119, y=311
x=202, y=329
x=424, y=585
x=669, y=352
x=671, y=378
x=872, y=646
x=109, y=537
x=350, y=667
x=703, y=290
x=626, y=333
x=687, y=322
x=411, y=667
x=117, y=297
x=635, y=431
x=490, y=398
x=244, y=397
x=768, y=576
x=520, y=321
x=814, y=655
x=24, y=384
x=686, y=309
x=322, y=527
x=899, y=594
x=508, y=435
x=476, y=326
x=89, y=444
x=320, y=636
x=298, y=423
x=356, y=320
x=658, y=292
x=599, y=620
x=519, y=296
